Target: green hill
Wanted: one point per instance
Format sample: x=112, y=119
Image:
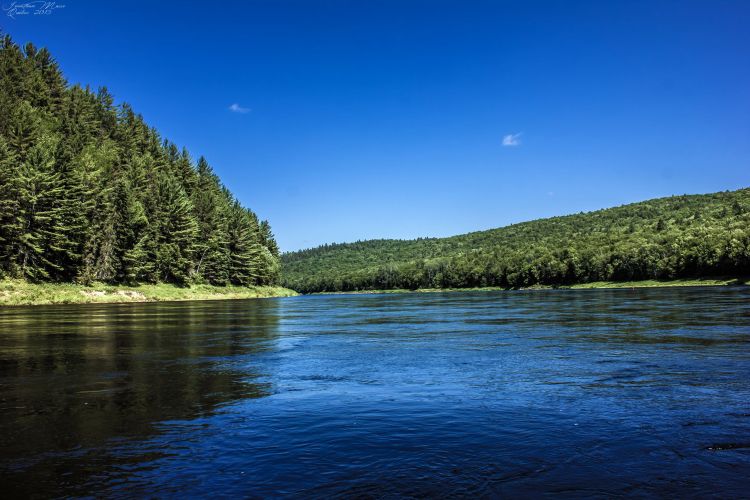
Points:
x=666, y=238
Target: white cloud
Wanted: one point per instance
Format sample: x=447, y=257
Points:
x=512, y=139
x=236, y=108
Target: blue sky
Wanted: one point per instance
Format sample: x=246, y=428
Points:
x=344, y=120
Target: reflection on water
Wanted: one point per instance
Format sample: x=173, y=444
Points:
x=577, y=393
x=75, y=377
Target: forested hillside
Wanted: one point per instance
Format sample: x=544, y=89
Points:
x=675, y=237
x=89, y=192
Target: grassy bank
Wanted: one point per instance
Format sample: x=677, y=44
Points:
x=17, y=292
x=580, y=286
x=663, y=283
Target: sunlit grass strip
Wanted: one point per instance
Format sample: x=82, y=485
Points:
x=662, y=283
x=18, y=292
x=579, y=286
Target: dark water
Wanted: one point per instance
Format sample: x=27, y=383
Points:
x=573, y=393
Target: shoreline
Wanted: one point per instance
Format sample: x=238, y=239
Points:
x=596, y=285
x=21, y=293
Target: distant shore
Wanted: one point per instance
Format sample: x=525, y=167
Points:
x=19, y=292
x=579, y=286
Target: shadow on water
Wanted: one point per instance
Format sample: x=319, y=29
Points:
x=74, y=378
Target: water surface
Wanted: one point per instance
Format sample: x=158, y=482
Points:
x=573, y=393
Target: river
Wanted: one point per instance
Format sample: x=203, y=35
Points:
x=574, y=393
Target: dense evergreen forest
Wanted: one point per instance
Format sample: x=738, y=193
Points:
x=89, y=192
x=666, y=238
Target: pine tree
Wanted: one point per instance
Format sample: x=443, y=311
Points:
x=39, y=214
x=105, y=113
x=244, y=249
x=184, y=169
x=24, y=126
x=97, y=168
x=268, y=239
x=9, y=220
x=176, y=230
x=212, y=252
x=11, y=82
x=54, y=85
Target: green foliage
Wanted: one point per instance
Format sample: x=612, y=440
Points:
x=667, y=238
x=212, y=245
x=244, y=249
x=89, y=192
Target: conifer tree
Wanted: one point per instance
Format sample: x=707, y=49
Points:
x=10, y=223
x=212, y=251
x=244, y=251
x=267, y=238
x=39, y=187
x=175, y=230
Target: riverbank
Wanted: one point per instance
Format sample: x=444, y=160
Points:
x=18, y=292
x=579, y=286
x=663, y=283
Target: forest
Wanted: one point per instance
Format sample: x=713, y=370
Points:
x=91, y=193
x=688, y=236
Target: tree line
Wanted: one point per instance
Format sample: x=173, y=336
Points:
x=666, y=238
x=89, y=192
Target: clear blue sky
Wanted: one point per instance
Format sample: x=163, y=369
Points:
x=370, y=119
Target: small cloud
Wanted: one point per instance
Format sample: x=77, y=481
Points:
x=236, y=108
x=512, y=139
